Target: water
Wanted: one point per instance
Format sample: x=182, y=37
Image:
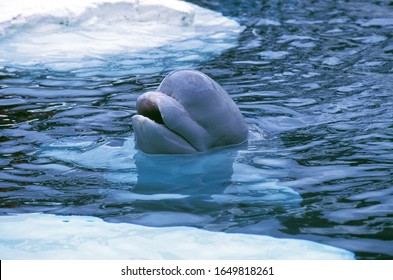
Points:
x=314, y=81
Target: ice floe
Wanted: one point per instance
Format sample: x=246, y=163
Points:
x=43, y=236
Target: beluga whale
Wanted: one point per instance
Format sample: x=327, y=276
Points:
x=188, y=113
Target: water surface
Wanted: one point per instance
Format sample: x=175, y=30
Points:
x=314, y=81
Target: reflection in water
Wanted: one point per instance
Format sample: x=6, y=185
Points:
x=208, y=173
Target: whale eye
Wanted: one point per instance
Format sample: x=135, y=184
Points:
x=150, y=110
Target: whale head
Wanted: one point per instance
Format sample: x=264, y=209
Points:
x=188, y=113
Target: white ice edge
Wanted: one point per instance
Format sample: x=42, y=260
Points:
x=55, y=33
x=44, y=236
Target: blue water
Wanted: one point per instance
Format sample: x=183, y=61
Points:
x=314, y=81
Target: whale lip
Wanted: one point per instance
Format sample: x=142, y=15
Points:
x=152, y=133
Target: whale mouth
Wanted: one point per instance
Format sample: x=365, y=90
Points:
x=150, y=110
x=164, y=125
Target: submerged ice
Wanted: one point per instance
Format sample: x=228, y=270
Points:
x=41, y=236
x=217, y=177
x=166, y=190
x=78, y=34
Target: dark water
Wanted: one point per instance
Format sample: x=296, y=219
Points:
x=314, y=80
